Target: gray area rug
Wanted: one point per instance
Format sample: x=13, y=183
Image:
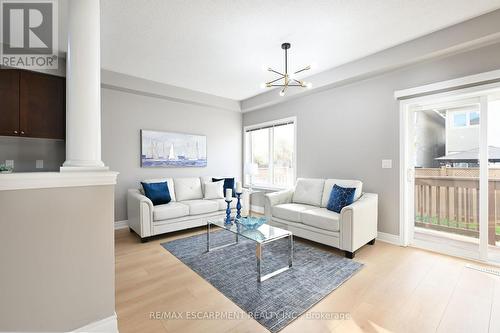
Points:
x=279, y=300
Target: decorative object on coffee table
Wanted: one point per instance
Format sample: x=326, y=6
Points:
x=238, y=206
x=251, y=222
x=229, y=198
x=239, y=191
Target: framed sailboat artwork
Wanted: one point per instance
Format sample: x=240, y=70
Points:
x=172, y=150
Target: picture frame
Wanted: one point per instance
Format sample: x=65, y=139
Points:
x=162, y=149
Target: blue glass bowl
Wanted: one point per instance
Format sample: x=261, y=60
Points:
x=251, y=222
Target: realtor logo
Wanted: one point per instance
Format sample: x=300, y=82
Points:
x=29, y=34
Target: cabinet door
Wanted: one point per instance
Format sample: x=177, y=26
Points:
x=9, y=102
x=42, y=105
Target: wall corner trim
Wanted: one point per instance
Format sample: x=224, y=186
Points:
x=35, y=180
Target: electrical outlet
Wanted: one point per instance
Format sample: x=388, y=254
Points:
x=386, y=164
x=39, y=164
x=9, y=163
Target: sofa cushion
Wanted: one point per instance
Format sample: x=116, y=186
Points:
x=222, y=203
x=290, y=212
x=321, y=218
x=197, y=207
x=308, y=191
x=341, y=182
x=188, y=189
x=169, y=181
x=171, y=210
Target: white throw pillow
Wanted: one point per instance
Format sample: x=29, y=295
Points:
x=214, y=190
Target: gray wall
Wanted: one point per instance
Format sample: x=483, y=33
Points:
x=25, y=152
x=430, y=135
x=124, y=114
x=345, y=132
x=57, y=258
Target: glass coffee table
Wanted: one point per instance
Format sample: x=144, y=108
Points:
x=261, y=235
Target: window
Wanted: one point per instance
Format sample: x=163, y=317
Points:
x=465, y=119
x=459, y=120
x=272, y=147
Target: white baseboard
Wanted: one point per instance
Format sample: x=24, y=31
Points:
x=257, y=209
x=121, y=224
x=108, y=325
x=388, y=238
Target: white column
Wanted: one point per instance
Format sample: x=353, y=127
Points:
x=83, y=87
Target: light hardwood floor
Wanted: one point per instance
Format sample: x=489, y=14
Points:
x=398, y=290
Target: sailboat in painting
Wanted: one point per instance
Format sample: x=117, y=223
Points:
x=171, y=154
x=167, y=149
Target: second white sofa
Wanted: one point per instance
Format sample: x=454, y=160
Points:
x=302, y=210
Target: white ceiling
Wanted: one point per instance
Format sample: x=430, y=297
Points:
x=220, y=46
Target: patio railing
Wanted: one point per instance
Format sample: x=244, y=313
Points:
x=447, y=199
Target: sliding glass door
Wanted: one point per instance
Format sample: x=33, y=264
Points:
x=453, y=174
x=445, y=154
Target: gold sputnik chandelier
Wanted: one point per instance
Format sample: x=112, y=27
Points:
x=286, y=79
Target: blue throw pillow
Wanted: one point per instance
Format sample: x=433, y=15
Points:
x=228, y=183
x=340, y=197
x=158, y=193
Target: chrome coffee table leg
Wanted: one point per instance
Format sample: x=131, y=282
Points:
x=217, y=247
x=258, y=253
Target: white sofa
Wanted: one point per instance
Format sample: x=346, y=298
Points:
x=187, y=209
x=302, y=210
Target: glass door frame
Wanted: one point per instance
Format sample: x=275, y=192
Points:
x=407, y=183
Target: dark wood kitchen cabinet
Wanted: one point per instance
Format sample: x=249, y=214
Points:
x=32, y=104
x=42, y=106
x=9, y=102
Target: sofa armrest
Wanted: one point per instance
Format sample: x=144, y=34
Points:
x=276, y=198
x=140, y=213
x=358, y=222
